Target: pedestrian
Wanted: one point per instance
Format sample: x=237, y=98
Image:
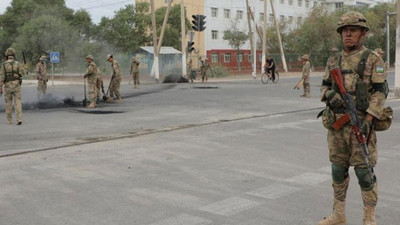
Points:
x=269, y=67
x=41, y=76
x=203, y=69
x=11, y=74
x=381, y=52
x=365, y=79
x=191, y=72
x=91, y=76
x=135, y=72
x=306, y=76
x=115, y=80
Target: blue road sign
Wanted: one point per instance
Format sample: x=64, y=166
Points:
x=54, y=57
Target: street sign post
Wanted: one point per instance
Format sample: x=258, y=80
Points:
x=54, y=58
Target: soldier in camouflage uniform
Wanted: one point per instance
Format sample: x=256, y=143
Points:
x=203, y=69
x=365, y=79
x=306, y=75
x=135, y=72
x=91, y=76
x=41, y=76
x=116, y=80
x=11, y=73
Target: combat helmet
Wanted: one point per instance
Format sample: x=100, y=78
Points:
x=89, y=57
x=306, y=57
x=10, y=51
x=42, y=58
x=352, y=18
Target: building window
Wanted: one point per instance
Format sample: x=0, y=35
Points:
x=261, y=16
x=250, y=58
x=239, y=14
x=227, y=57
x=271, y=18
x=299, y=3
x=307, y=4
x=282, y=1
x=315, y=4
x=214, y=57
x=290, y=2
x=290, y=19
x=214, y=12
x=282, y=17
x=227, y=13
x=214, y=34
x=240, y=58
x=339, y=5
x=166, y=1
x=361, y=4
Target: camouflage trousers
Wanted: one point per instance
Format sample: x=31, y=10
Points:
x=203, y=75
x=99, y=86
x=92, y=92
x=345, y=150
x=114, y=88
x=41, y=88
x=13, y=93
x=135, y=77
x=306, y=86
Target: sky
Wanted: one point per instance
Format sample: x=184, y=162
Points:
x=96, y=8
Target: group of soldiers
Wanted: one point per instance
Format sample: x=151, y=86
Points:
x=95, y=81
x=204, y=66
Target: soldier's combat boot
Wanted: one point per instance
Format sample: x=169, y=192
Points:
x=9, y=120
x=118, y=100
x=338, y=215
x=92, y=105
x=370, y=200
x=303, y=95
x=109, y=100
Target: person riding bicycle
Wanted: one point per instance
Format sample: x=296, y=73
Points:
x=269, y=67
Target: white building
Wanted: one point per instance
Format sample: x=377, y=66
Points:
x=222, y=13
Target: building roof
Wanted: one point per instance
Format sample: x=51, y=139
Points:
x=163, y=51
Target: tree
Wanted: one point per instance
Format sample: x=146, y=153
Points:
x=172, y=36
x=236, y=39
x=128, y=29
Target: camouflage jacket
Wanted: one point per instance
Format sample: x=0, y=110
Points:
x=11, y=70
x=116, y=70
x=374, y=75
x=41, y=72
x=135, y=66
x=91, y=72
x=306, y=70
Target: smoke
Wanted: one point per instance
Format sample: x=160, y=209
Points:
x=175, y=78
x=50, y=102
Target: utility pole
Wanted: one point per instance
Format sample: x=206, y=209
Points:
x=251, y=38
x=166, y=16
x=155, y=68
x=388, y=14
x=397, y=63
x=183, y=35
x=264, y=37
x=279, y=38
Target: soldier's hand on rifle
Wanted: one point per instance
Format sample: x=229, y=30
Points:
x=334, y=98
x=366, y=127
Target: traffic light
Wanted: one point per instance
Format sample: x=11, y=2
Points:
x=198, y=22
x=190, y=47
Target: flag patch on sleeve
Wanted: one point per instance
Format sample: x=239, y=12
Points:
x=379, y=69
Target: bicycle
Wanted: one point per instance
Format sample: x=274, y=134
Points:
x=267, y=76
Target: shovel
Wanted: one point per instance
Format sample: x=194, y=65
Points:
x=105, y=96
x=84, y=102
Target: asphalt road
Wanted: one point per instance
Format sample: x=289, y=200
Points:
x=233, y=152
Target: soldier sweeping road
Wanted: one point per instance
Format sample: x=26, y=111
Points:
x=41, y=76
x=91, y=76
x=116, y=80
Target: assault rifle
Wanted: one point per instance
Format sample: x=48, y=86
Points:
x=354, y=120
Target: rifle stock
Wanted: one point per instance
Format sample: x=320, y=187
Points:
x=355, y=122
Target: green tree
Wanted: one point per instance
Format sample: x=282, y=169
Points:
x=236, y=38
x=172, y=36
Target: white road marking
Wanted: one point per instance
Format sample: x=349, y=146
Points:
x=183, y=219
x=309, y=178
x=230, y=206
x=296, y=124
x=274, y=191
